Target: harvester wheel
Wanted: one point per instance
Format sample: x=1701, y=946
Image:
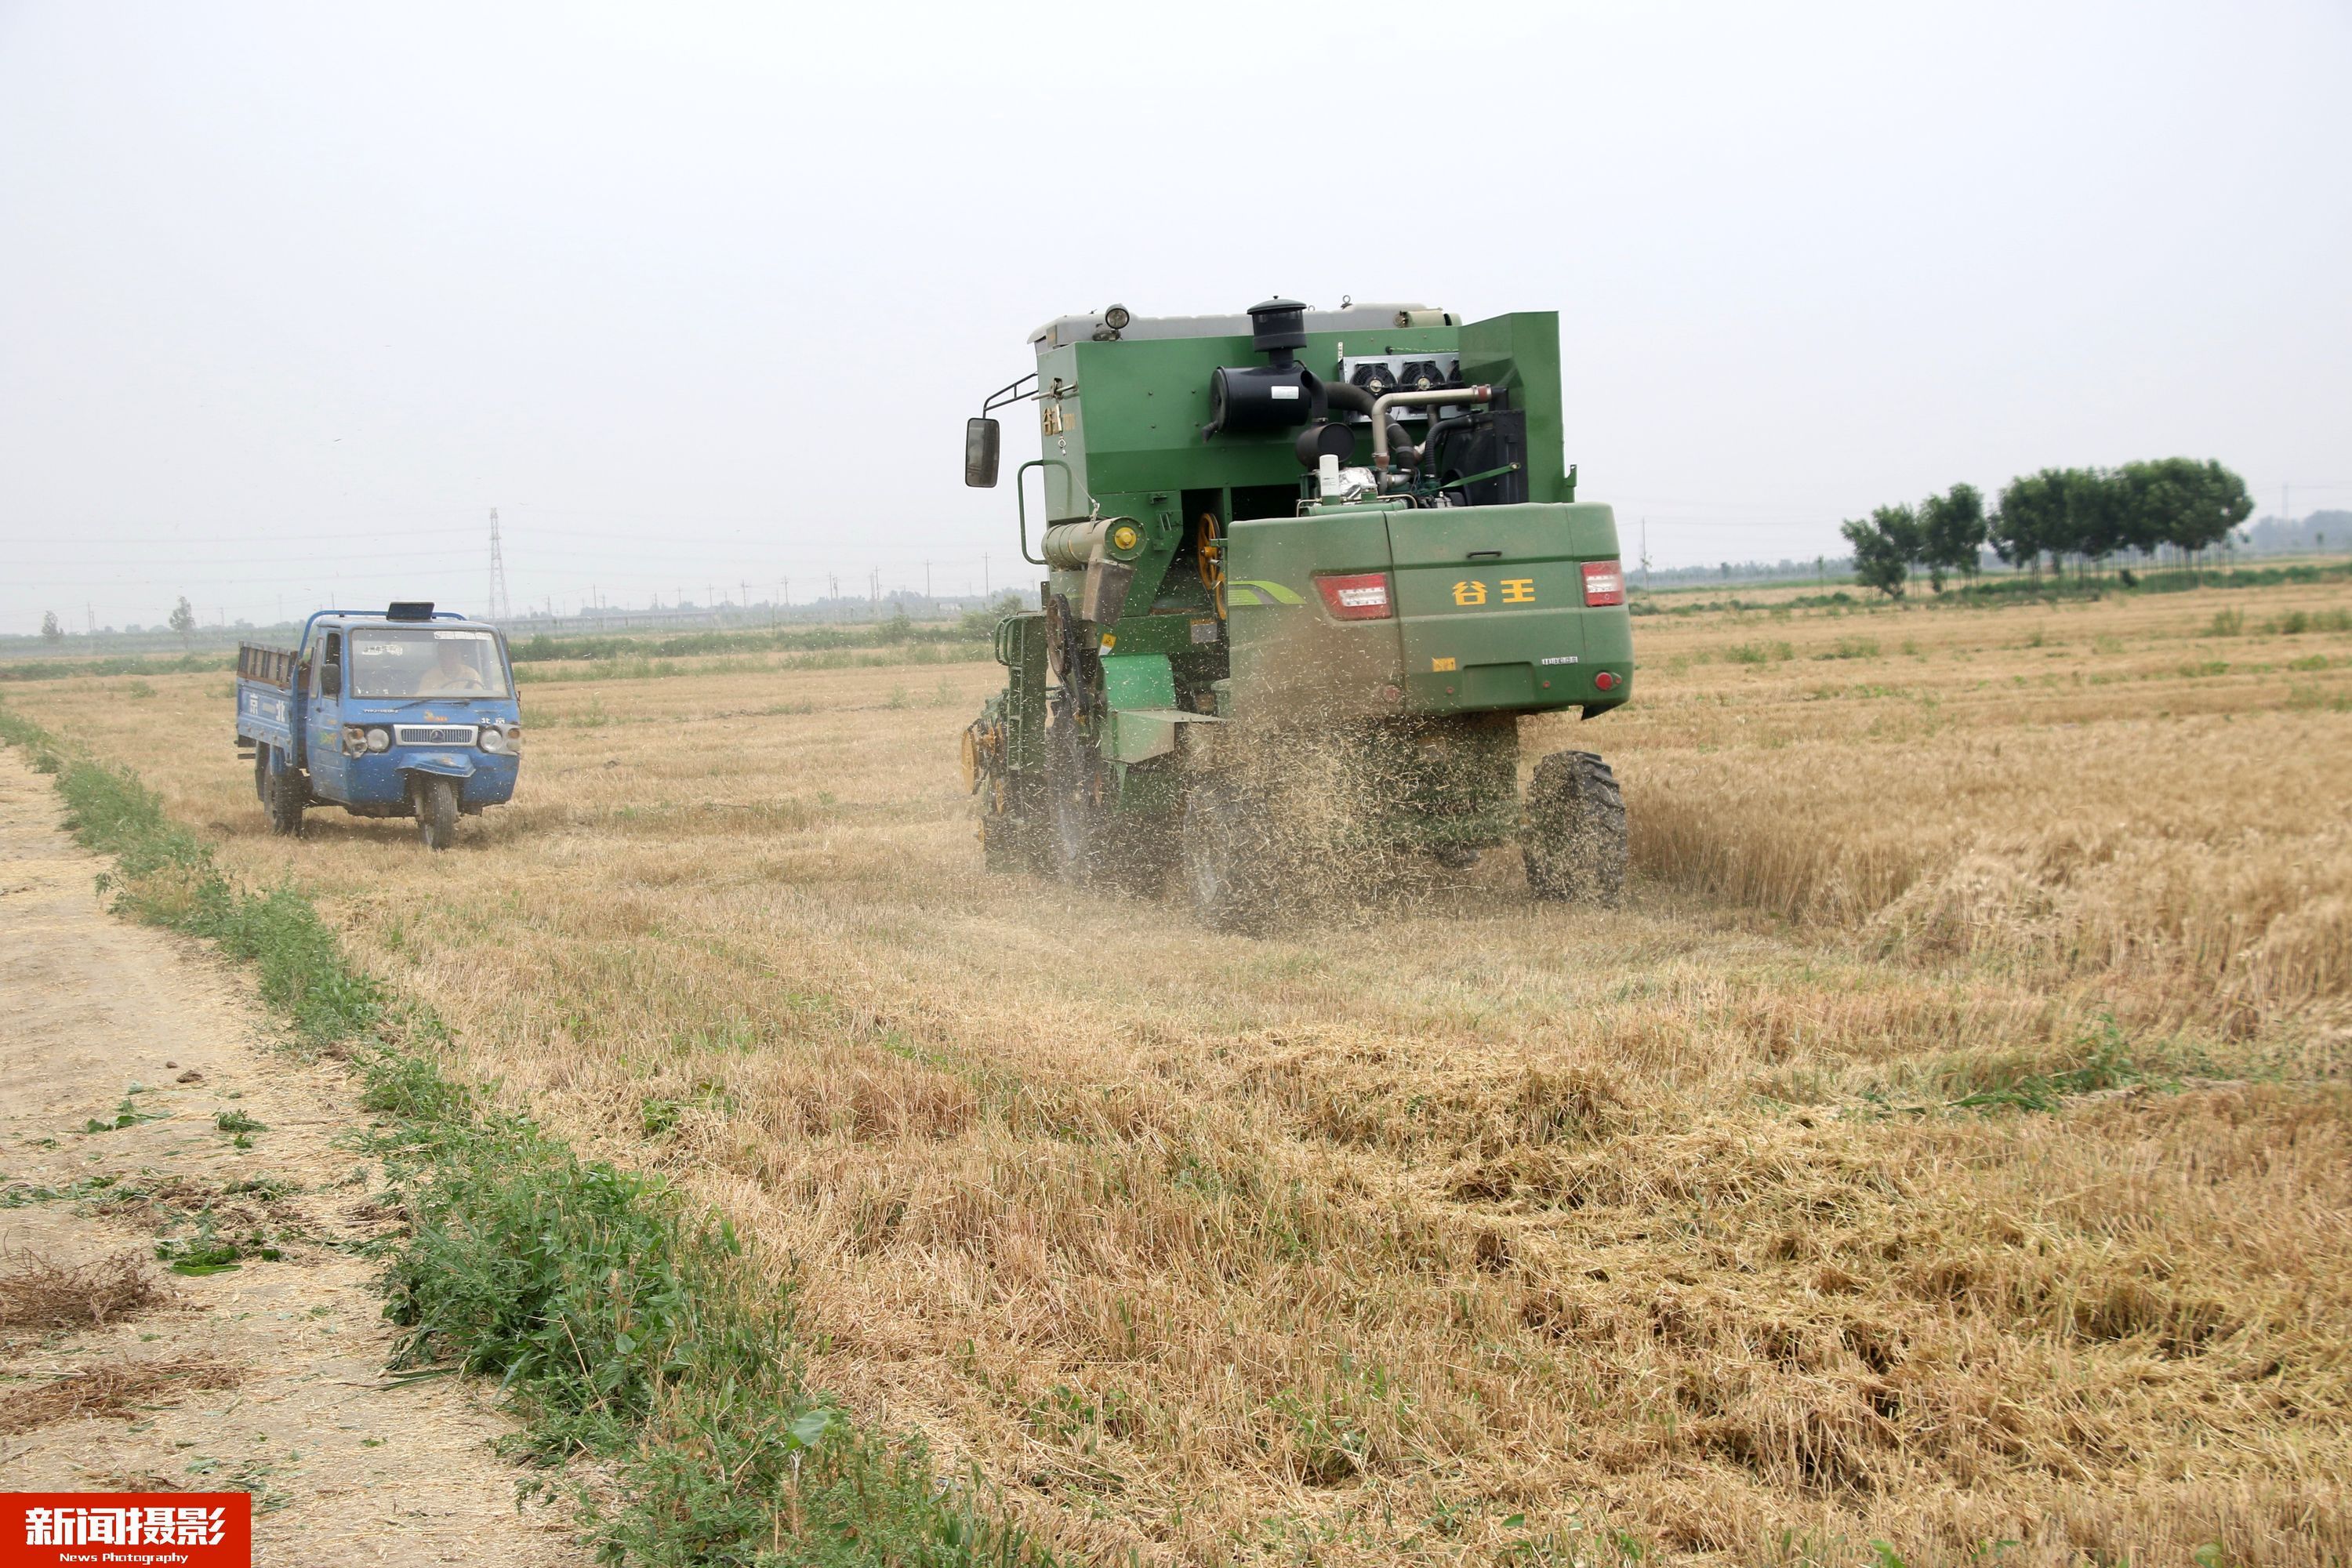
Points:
x=1008, y=825
x=1229, y=855
x=1073, y=809
x=288, y=795
x=436, y=811
x=1575, y=838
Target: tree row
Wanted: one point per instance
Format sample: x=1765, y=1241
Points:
x=2085, y=514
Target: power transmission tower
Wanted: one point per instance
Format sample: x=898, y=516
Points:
x=498, y=607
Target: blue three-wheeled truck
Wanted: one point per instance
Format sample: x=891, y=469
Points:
x=401, y=712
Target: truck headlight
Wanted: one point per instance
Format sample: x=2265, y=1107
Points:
x=493, y=738
x=378, y=739
x=354, y=742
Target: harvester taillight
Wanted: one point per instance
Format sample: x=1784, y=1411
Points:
x=1361, y=597
x=1604, y=583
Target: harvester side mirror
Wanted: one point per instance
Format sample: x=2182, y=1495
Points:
x=980, y=444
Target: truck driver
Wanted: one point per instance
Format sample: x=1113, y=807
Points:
x=452, y=674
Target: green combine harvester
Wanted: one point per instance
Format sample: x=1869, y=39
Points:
x=1303, y=566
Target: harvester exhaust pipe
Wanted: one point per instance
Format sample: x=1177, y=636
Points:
x=1346, y=394
x=1437, y=398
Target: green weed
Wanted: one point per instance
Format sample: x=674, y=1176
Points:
x=1760, y=653
x=2318, y=700
x=2107, y=1064
x=125, y=1115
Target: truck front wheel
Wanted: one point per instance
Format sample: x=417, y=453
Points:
x=436, y=811
x=1575, y=838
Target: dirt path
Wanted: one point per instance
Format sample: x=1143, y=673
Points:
x=261, y=1377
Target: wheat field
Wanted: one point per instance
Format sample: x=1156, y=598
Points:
x=1944, y=1146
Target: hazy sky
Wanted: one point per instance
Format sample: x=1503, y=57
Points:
x=291, y=296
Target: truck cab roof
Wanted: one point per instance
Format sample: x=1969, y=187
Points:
x=400, y=613
x=447, y=621
x=1095, y=327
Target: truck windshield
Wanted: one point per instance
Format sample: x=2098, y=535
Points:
x=419, y=661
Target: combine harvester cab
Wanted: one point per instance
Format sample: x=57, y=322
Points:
x=403, y=712
x=1339, y=545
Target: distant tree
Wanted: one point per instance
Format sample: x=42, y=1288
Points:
x=2180, y=501
x=2093, y=513
x=2100, y=516
x=51, y=629
x=1951, y=533
x=2033, y=520
x=183, y=621
x=1884, y=548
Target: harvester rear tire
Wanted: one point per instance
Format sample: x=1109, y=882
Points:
x=436, y=812
x=1575, y=838
x=1008, y=825
x=1229, y=855
x=1073, y=815
x=286, y=794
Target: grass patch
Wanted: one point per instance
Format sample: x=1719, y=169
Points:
x=2296, y=623
x=974, y=626
x=625, y=1325
x=2106, y=1063
x=66, y=669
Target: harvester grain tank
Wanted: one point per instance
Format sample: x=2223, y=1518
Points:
x=1349, y=535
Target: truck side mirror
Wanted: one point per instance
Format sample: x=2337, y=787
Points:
x=980, y=443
